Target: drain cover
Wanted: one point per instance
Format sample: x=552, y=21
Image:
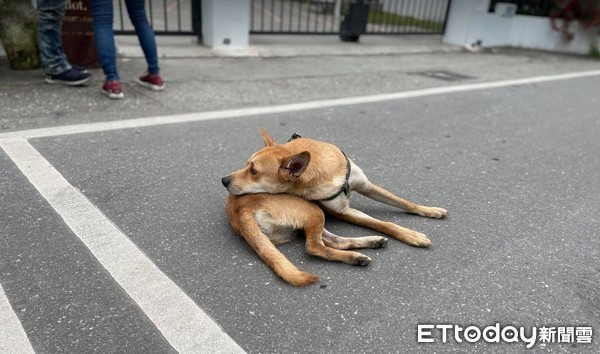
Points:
x=442, y=75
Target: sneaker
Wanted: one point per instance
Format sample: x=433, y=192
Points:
x=152, y=81
x=113, y=90
x=71, y=77
x=83, y=69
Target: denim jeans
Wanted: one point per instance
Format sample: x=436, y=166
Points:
x=50, y=19
x=102, y=11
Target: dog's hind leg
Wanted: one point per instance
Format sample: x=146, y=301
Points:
x=345, y=243
x=379, y=194
x=400, y=233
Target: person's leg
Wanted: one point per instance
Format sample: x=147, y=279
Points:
x=50, y=18
x=102, y=11
x=137, y=13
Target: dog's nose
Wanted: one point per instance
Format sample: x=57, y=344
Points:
x=225, y=181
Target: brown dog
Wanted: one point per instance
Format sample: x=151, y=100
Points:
x=315, y=171
x=320, y=172
x=265, y=220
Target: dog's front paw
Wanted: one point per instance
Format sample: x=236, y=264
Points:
x=362, y=260
x=433, y=212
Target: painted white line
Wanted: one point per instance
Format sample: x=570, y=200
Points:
x=183, y=324
x=294, y=107
x=12, y=336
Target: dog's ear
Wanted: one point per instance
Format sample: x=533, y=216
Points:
x=293, y=166
x=267, y=138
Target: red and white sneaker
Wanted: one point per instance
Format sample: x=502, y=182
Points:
x=113, y=90
x=151, y=81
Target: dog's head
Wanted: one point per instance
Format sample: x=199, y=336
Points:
x=273, y=169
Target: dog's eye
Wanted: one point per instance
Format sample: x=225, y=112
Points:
x=253, y=171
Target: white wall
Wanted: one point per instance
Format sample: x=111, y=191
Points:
x=536, y=33
x=465, y=21
x=226, y=23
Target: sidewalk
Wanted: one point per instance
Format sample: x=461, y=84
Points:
x=277, y=46
x=269, y=46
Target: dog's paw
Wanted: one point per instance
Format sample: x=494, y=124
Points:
x=362, y=260
x=433, y=212
x=418, y=239
x=379, y=242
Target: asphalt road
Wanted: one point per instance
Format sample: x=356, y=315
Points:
x=517, y=167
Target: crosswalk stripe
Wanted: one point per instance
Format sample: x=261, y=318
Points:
x=12, y=336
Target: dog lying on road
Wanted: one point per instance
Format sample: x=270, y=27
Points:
x=315, y=171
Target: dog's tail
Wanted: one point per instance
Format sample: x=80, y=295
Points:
x=273, y=258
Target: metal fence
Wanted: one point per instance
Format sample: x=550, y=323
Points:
x=182, y=17
x=173, y=17
x=325, y=16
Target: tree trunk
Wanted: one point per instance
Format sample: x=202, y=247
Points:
x=19, y=34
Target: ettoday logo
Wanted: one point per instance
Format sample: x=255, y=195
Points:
x=504, y=334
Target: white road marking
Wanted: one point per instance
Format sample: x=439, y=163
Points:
x=184, y=325
x=12, y=336
x=293, y=107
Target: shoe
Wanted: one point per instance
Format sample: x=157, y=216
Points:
x=71, y=77
x=113, y=90
x=83, y=69
x=152, y=81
